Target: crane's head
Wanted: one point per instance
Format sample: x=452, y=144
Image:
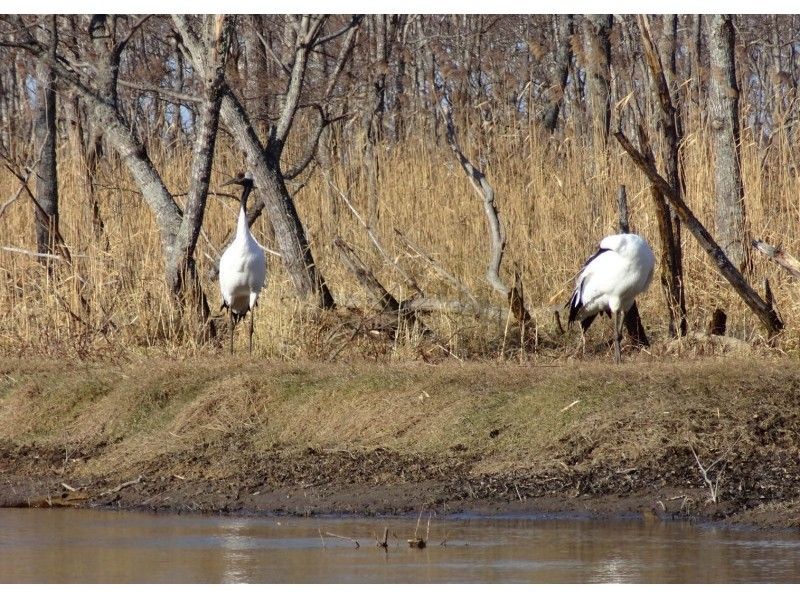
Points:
x=245, y=179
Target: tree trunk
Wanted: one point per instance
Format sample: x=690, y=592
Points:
x=776, y=77
x=46, y=212
x=274, y=196
x=560, y=69
x=669, y=123
x=181, y=270
x=373, y=113
x=723, y=104
x=257, y=77
x=597, y=46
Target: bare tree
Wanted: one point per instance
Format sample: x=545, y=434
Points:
x=264, y=159
x=597, y=49
x=669, y=121
x=723, y=107
x=181, y=270
x=97, y=89
x=46, y=204
x=560, y=69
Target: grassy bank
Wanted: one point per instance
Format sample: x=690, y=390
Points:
x=308, y=437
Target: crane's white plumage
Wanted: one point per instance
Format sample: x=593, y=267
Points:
x=610, y=280
x=243, y=265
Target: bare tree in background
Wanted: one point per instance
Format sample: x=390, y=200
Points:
x=597, y=50
x=97, y=87
x=562, y=25
x=45, y=134
x=723, y=107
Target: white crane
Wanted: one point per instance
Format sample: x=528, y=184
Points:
x=243, y=265
x=610, y=280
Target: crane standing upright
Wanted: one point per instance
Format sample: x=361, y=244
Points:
x=243, y=265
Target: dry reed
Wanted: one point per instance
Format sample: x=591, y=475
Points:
x=556, y=200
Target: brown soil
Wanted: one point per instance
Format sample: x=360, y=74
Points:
x=368, y=439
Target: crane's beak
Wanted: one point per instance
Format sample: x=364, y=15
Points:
x=237, y=180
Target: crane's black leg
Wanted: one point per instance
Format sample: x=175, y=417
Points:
x=233, y=325
x=252, y=315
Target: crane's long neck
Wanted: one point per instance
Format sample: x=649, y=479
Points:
x=242, y=227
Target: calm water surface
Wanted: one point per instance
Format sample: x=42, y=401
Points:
x=88, y=546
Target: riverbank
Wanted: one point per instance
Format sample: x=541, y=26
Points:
x=223, y=435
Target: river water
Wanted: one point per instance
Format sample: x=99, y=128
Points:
x=65, y=546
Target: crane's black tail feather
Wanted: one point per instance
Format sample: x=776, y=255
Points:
x=575, y=304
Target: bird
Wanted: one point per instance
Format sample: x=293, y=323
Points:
x=243, y=265
x=610, y=280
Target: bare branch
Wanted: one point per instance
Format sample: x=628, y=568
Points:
x=311, y=149
x=35, y=254
x=120, y=47
x=308, y=31
x=386, y=301
x=484, y=189
x=780, y=257
x=393, y=263
x=435, y=266
x=354, y=22
x=324, y=121
x=163, y=92
x=268, y=50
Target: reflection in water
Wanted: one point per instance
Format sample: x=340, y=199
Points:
x=86, y=546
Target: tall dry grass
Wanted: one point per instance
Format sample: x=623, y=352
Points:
x=556, y=200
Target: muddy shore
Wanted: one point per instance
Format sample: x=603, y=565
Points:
x=365, y=439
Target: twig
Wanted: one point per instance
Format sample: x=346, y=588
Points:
x=428, y=531
x=570, y=406
x=434, y=265
x=15, y=197
x=343, y=538
x=713, y=487
x=417, y=541
x=122, y=485
x=416, y=529
x=34, y=253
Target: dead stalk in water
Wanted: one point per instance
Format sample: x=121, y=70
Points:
x=385, y=543
x=353, y=540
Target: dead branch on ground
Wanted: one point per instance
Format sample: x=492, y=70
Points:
x=387, y=303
